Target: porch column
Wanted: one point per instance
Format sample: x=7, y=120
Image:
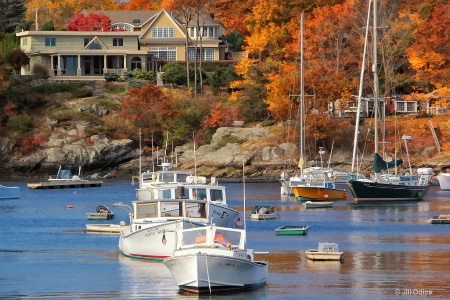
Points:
x=79, y=65
x=105, y=65
x=125, y=68
x=58, y=69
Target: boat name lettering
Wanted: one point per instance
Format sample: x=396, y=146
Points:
x=151, y=232
x=220, y=214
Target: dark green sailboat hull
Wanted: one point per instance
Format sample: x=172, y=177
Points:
x=369, y=191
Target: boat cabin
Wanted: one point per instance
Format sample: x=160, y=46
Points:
x=328, y=247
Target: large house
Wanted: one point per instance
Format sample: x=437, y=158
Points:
x=137, y=40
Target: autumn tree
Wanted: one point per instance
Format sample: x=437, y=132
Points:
x=90, y=22
x=17, y=59
x=223, y=114
x=63, y=11
x=149, y=109
x=429, y=56
x=140, y=5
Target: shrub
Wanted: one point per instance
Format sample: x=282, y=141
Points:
x=109, y=77
x=19, y=123
x=139, y=74
x=40, y=71
x=229, y=139
x=174, y=74
x=267, y=123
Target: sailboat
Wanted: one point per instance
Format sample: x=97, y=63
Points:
x=311, y=186
x=384, y=188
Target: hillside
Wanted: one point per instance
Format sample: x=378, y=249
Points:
x=65, y=123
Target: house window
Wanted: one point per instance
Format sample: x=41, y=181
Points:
x=211, y=31
x=192, y=31
x=121, y=27
x=118, y=42
x=162, y=32
x=50, y=42
x=167, y=53
x=24, y=41
x=410, y=106
x=400, y=106
x=95, y=46
x=136, y=63
x=207, y=54
x=87, y=40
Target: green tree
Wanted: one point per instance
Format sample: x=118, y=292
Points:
x=235, y=41
x=174, y=73
x=12, y=13
x=48, y=26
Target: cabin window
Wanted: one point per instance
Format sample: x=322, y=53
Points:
x=146, y=211
x=199, y=194
x=171, y=209
x=216, y=195
x=164, y=194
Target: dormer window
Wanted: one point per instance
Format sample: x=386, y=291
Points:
x=136, y=21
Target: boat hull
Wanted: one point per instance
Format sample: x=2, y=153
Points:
x=369, y=191
x=444, y=181
x=106, y=228
x=155, y=242
x=65, y=184
x=442, y=219
x=100, y=216
x=201, y=272
x=292, y=230
x=264, y=216
x=316, y=255
x=305, y=193
x=324, y=204
x=9, y=192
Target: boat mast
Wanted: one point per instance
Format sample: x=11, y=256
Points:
x=361, y=82
x=375, y=76
x=301, y=163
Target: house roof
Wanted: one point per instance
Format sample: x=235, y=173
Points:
x=135, y=18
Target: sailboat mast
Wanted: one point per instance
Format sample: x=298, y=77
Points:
x=375, y=73
x=361, y=83
x=302, y=99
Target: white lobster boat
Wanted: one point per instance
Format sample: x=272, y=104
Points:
x=326, y=251
x=211, y=259
x=155, y=223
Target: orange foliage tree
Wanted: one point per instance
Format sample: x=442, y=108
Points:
x=140, y=5
x=429, y=56
x=222, y=115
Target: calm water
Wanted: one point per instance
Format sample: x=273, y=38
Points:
x=389, y=249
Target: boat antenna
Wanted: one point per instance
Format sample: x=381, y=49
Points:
x=243, y=187
x=195, y=159
x=153, y=160
x=140, y=158
x=165, y=150
x=361, y=82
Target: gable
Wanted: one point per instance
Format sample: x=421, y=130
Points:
x=95, y=44
x=163, y=20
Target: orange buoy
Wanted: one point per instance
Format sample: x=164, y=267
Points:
x=69, y=206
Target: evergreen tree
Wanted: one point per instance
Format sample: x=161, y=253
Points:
x=11, y=14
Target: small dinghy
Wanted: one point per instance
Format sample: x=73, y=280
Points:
x=326, y=251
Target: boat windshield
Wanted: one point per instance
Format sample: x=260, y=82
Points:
x=64, y=174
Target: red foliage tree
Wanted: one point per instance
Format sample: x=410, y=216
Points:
x=149, y=109
x=91, y=22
